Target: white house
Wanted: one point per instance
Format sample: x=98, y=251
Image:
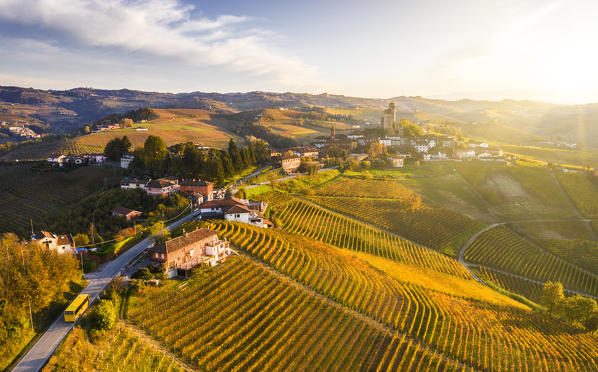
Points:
x=465, y=154
x=439, y=156
x=385, y=142
x=56, y=158
x=59, y=243
x=126, y=160
x=133, y=183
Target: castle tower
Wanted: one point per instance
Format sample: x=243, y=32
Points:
x=389, y=118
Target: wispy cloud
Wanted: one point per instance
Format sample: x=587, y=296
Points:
x=167, y=28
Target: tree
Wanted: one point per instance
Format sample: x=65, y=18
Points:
x=104, y=315
x=410, y=129
x=81, y=239
x=126, y=122
x=228, y=193
x=154, y=153
x=241, y=194
x=552, y=296
x=143, y=273
x=375, y=150
x=116, y=148
x=159, y=233
x=235, y=155
x=577, y=308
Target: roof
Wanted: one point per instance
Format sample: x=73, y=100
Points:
x=220, y=203
x=237, y=209
x=287, y=157
x=184, y=240
x=41, y=235
x=55, y=155
x=134, y=180
x=65, y=239
x=124, y=211
x=194, y=183
x=160, y=183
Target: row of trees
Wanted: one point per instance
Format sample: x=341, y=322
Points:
x=32, y=279
x=126, y=119
x=186, y=160
x=574, y=309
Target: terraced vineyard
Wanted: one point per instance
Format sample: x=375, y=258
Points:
x=308, y=220
x=119, y=350
x=583, y=253
x=26, y=195
x=245, y=318
x=432, y=226
x=513, y=284
x=478, y=334
x=502, y=249
x=583, y=192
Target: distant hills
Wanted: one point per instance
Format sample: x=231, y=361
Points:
x=520, y=122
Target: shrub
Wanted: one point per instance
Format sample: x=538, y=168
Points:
x=104, y=315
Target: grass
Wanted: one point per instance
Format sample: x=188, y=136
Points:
x=581, y=157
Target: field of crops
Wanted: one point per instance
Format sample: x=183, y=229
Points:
x=556, y=229
x=27, y=195
x=432, y=226
x=583, y=253
x=119, y=350
x=501, y=248
x=245, y=318
x=362, y=188
x=477, y=334
x=582, y=191
x=513, y=284
x=308, y=220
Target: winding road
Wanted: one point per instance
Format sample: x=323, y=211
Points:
x=41, y=351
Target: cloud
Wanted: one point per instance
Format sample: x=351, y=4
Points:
x=165, y=28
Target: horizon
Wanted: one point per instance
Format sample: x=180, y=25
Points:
x=533, y=51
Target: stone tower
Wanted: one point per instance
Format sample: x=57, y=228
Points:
x=389, y=118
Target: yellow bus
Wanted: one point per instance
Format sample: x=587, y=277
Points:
x=76, y=308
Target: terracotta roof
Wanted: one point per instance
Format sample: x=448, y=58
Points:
x=65, y=239
x=220, y=203
x=124, y=211
x=183, y=240
x=237, y=209
x=195, y=183
x=160, y=183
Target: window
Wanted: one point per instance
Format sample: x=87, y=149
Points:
x=162, y=255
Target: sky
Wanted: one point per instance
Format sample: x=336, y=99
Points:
x=542, y=50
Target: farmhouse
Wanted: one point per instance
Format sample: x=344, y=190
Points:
x=95, y=158
x=133, y=183
x=128, y=214
x=195, y=187
x=59, y=243
x=397, y=161
x=162, y=187
x=236, y=210
x=189, y=250
x=58, y=159
x=290, y=163
x=126, y=160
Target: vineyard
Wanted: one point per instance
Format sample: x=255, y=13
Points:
x=305, y=219
x=39, y=150
x=27, y=196
x=583, y=253
x=558, y=229
x=244, y=318
x=582, y=191
x=362, y=188
x=120, y=350
x=476, y=334
x=513, y=284
x=432, y=226
x=501, y=248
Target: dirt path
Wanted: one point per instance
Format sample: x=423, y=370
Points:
x=371, y=321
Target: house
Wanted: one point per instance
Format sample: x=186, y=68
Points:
x=162, y=187
x=304, y=151
x=56, y=158
x=356, y=157
x=128, y=214
x=59, y=243
x=439, y=156
x=133, y=183
x=219, y=193
x=95, y=158
x=76, y=159
x=290, y=163
x=465, y=154
x=189, y=250
x=190, y=187
x=236, y=210
x=397, y=161
x=385, y=142
x=126, y=160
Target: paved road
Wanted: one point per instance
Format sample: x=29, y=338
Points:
x=37, y=356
